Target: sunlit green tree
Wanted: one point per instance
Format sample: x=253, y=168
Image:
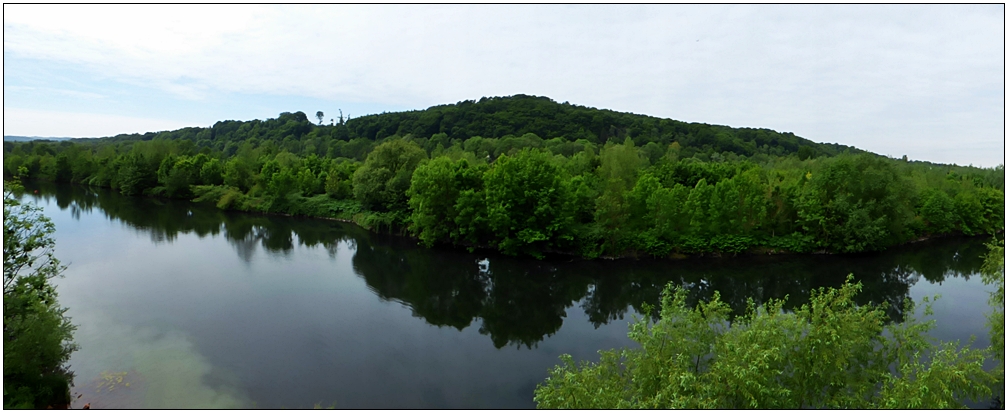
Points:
x=37, y=339
x=528, y=203
x=434, y=195
x=381, y=183
x=828, y=353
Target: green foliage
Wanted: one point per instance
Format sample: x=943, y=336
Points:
x=339, y=179
x=828, y=353
x=620, y=163
x=855, y=203
x=238, y=173
x=938, y=211
x=993, y=272
x=519, y=115
x=279, y=184
x=434, y=197
x=980, y=210
x=471, y=207
x=617, y=171
x=135, y=175
x=37, y=334
x=939, y=381
x=528, y=203
x=382, y=181
x=176, y=174
x=212, y=172
x=666, y=209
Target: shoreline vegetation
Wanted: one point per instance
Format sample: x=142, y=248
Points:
x=38, y=335
x=672, y=256
x=827, y=353
x=525, y=175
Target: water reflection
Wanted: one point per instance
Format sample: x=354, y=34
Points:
x=517, y=301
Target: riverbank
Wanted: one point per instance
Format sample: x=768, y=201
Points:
x=396, y=223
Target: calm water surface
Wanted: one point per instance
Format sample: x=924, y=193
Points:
x=195, y=307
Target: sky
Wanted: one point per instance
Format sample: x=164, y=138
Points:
x=926, y=81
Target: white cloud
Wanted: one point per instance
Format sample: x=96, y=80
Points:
x=826, y=72
x=65, y=92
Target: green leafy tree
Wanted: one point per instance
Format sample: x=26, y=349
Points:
x=369, y=186
x=64, y=173
x=618, y=173
x=856, y=203
x=434, y=193
x=37, y=339
x=381, y=183
x=238, y=173
x=753, y=200
x=527, y=201
x=667, y=212
x=473, y=225
x=280, y=184
x=339, y=181
x=135, y=175
x=212, y=172
x=177, y=174
x=308, y=183
x=724, y=208
x=698, y=204
x=938, y=211
x=981, y=210
x=829, y=353
x=993, y=273
x=269, y=168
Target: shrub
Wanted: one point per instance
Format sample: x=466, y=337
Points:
x=829, y=353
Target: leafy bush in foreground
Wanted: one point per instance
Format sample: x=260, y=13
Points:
x=37, y=334
x=829, y=353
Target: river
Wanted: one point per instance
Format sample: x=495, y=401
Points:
x=194, y=307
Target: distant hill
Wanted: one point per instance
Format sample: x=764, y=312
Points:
x=497, y=117
x=9, y=138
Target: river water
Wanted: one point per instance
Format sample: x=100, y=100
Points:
x=182, y=305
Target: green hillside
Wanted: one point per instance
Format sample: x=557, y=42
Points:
x=527, y=175
x=495, y=117
x=517, y=115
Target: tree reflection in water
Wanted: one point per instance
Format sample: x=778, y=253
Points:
x=520, y=301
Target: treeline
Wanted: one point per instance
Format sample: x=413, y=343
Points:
x=644, y=193
x=494, y=118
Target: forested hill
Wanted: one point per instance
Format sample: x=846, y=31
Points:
x=526, y=175
x=517, y=115
x=496, y=117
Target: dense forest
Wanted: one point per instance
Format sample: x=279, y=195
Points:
x=528, y=176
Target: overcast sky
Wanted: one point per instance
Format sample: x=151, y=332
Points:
x=923, y=80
